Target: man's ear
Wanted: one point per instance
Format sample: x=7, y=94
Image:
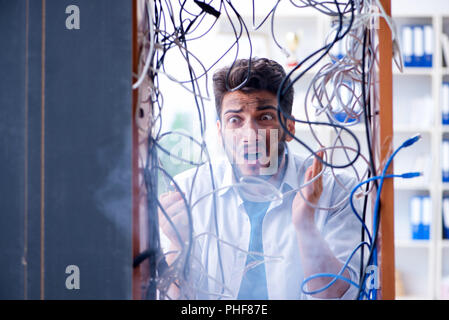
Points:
x=291, y=128
x=219, y=130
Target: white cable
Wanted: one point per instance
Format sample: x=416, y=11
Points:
x=150, y=51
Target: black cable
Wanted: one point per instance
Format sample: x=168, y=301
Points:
x=286, y=84
x=372, y=164
x=242, y=25
x=367, y=114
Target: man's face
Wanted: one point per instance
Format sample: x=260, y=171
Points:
x=251, y=132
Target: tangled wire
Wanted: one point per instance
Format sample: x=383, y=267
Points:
x=341, y=94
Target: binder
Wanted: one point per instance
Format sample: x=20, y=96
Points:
x=407, y=44
x=347, y=99
x=426, y=217
x=445, y=160
x=428, y=45
x=445, y=103
x=337, y=50
x=418, y=46
x=341, y=49
x=415, y=216
x=445, y=218
x=445, y=46
x=420, y=217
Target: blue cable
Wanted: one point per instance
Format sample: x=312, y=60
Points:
x=407, y=175
x=373, y=292
x=335, y=276
x=405, y=144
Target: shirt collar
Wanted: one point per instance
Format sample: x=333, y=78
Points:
x=291, y=177
x=290, y=180
x=228, y=178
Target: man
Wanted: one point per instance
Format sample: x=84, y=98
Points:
x=249, y=240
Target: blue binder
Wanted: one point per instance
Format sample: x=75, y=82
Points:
x=445, y=160
x=445, y=103
x=407, y=45
x=418, y=46
x=446, y=218
x=428, y=45
x=415, y=217
x=420, y=217
x=426, y=217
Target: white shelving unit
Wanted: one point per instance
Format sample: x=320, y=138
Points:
x=422, y=263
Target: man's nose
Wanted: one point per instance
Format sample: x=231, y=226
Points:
x=250, y=132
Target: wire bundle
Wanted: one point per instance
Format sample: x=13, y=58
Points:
x=340, y=86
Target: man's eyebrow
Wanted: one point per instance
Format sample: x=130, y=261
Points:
x=261, y=108
x=233, y=111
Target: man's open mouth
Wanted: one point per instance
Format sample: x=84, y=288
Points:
x=252, y=156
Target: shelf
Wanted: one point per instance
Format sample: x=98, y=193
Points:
x=412, y=129
x=357, y=128
x=401, y=129
x=410, y=186
x=413, y=298
x=414, y=71
x=416, y=88
x=411, y=244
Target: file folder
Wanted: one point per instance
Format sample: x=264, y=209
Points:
x=426, y=217
x=428, y=45
x=418, y=46
x=347, y=98
x=415, y=216
x=445, y=160
x=407, y=44
x=420, y=217
x=446, y=218
x=445, y=103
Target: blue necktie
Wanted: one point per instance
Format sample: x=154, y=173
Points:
x=254, y=282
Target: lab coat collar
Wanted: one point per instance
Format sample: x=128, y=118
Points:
x=290, y=179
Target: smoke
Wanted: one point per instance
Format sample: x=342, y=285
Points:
x=114, y=197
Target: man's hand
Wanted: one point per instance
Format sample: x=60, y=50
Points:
x=174, y=206
x=310, y=240
x=302, y=213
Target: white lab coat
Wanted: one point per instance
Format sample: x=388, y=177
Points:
x=340, y=228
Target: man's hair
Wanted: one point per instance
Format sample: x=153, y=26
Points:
x=265, y=74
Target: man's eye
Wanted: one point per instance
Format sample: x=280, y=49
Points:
x=233, y=120
x=266, y=117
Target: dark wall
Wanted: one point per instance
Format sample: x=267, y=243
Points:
x=65, y=156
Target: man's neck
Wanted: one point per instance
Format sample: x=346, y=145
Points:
x=274, y=179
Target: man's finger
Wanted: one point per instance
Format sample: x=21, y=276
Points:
x=175, y=208
x=173, y=212
x=167, y=198
x=308, y=174
x=317, y=164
